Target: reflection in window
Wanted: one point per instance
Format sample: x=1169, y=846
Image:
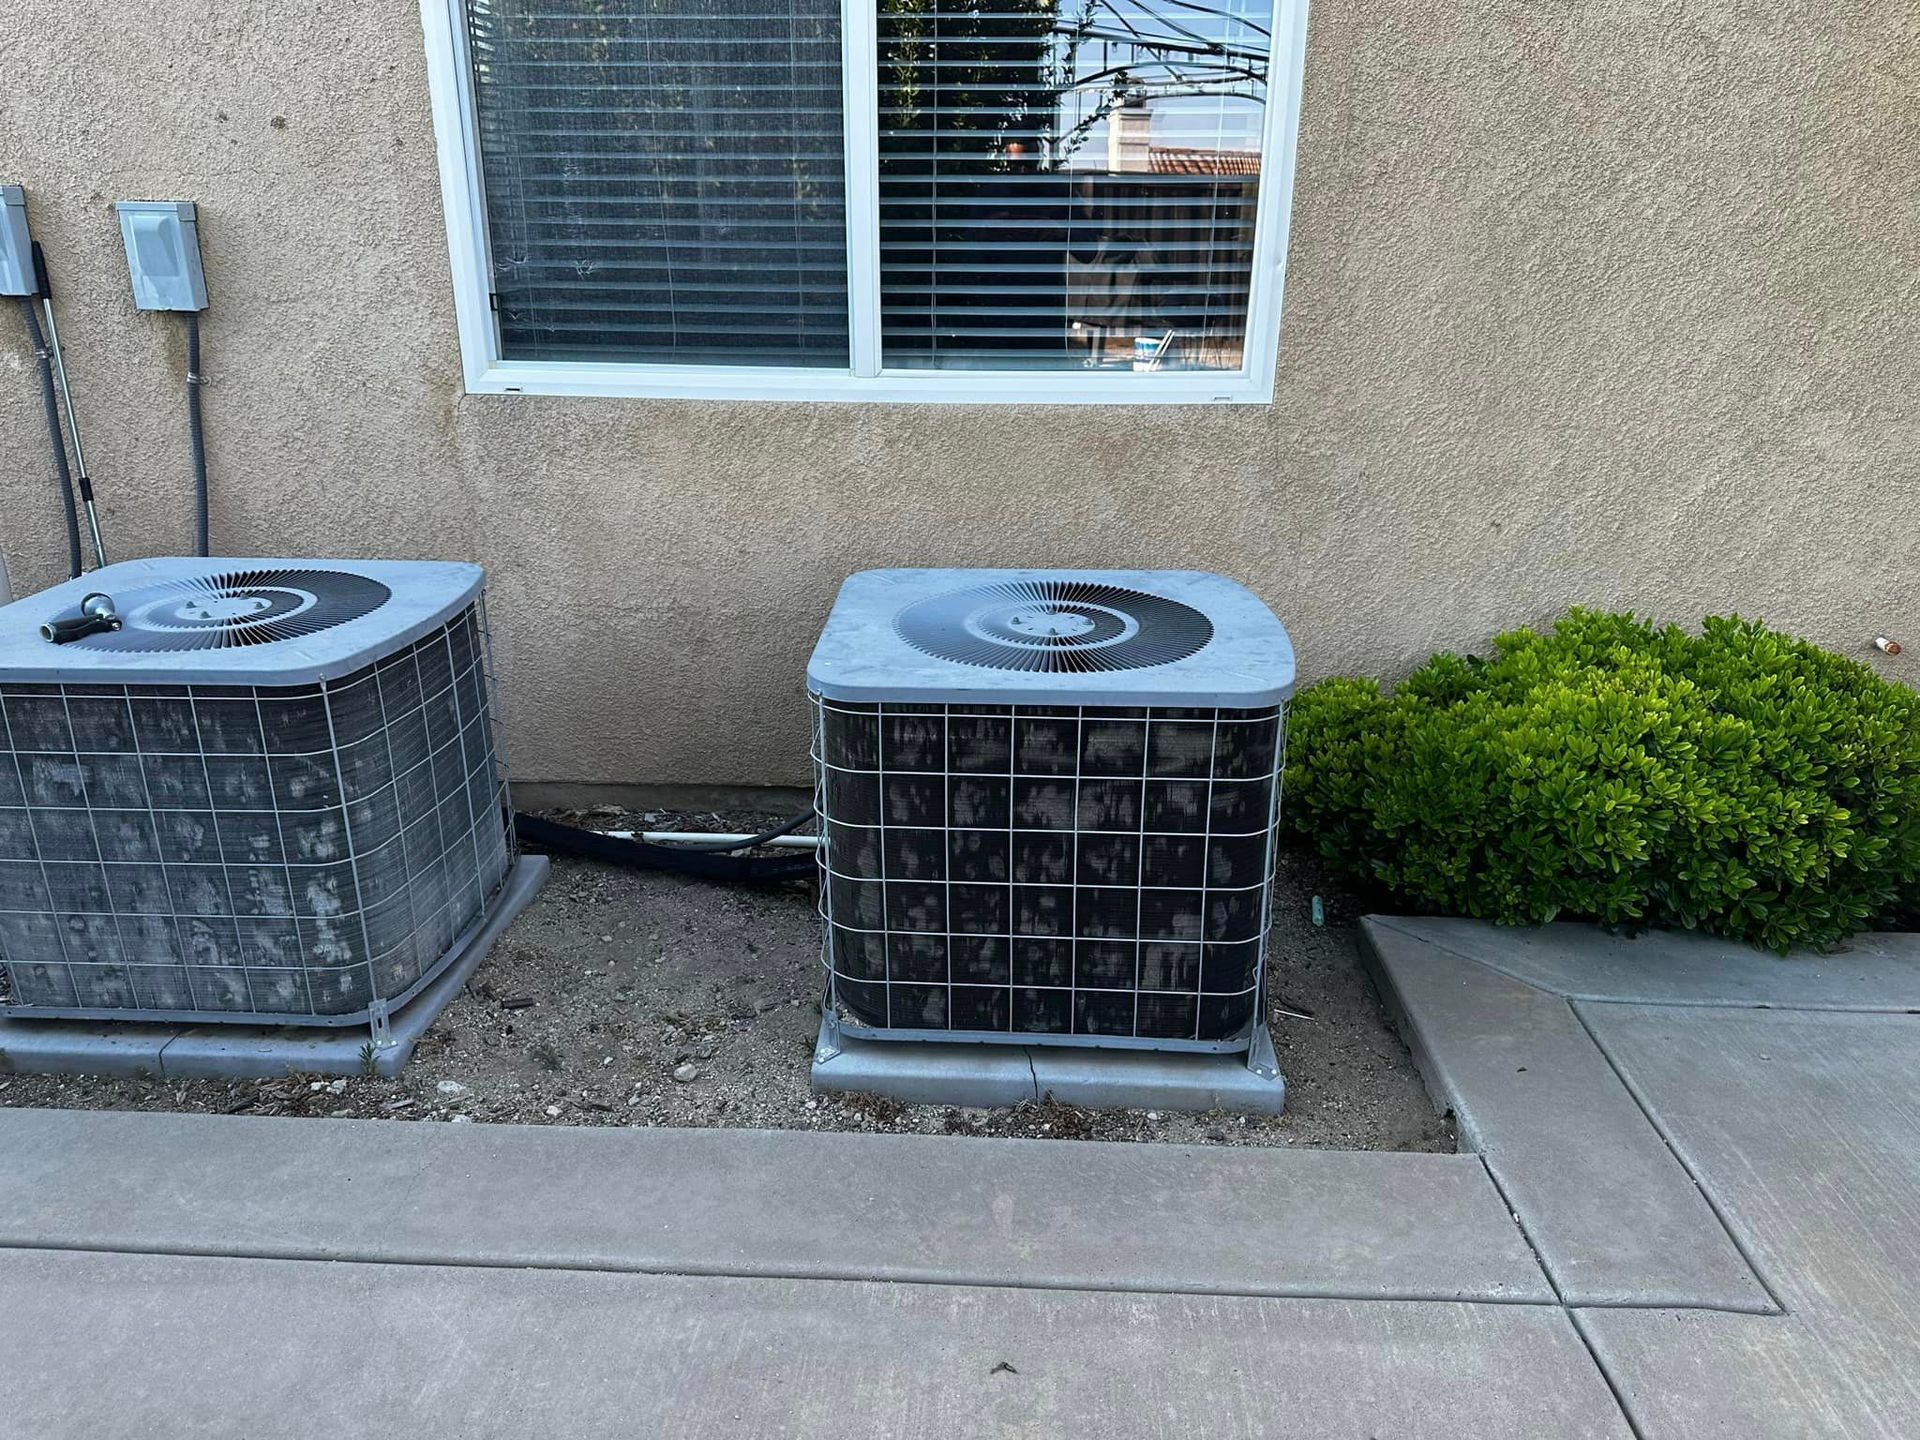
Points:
x=1069, y=183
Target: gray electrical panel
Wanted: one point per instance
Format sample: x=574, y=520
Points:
x=16, y=245
x=163, y=254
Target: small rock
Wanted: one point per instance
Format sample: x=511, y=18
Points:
x=1216, y=1135
x=317, y=1086
x=813, y=1104
x=1153, y=1114
x=605, y=1060
x=463, y=1120
x=553, y=1111
x=687, y=1073
x=606, y=939
x=337, y=1087
x=706, y=1050
x=451, y=1087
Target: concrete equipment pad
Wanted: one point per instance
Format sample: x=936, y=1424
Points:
x=116, y=1347
x=82, y=1047
x=944, y=1209
x=939, y=1073
x=1616, y=1218
x=917, y=1073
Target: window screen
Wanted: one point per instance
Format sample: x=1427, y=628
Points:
x=1069, y=183
x=664, y=179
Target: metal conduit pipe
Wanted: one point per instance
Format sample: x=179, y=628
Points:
x=30, y=312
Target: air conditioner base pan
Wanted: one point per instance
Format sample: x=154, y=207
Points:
x=930, y=1073
x=237, y=1052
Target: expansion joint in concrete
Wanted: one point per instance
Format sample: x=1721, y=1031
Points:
x=1713, y=1203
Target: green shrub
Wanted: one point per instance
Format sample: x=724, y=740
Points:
x=1739, y=781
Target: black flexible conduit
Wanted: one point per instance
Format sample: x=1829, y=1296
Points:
x=195, y=434
x=51, y=405
x=554, y=838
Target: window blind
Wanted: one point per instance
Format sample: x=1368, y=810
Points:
x=664, y=179
x=1069, y=183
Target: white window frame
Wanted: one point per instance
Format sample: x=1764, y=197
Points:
x=449, y=77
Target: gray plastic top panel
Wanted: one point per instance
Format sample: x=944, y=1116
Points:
x=421, y=595
x=1052, y=637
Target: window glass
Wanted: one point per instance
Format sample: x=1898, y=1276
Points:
x=1069, y=183
x=664, y=179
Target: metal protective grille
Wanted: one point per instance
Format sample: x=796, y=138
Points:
x=231, y=853
x=1090, y=875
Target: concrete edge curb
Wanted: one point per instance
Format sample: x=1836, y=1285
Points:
x=1729, y=953
x=796, y=1204
x=1585, y=1169
x=1440, y=1093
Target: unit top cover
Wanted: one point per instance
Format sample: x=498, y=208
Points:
x=1052, y=637
x=227, y=621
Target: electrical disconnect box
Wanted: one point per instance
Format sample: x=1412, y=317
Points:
x=16, y=245
x=163, y=254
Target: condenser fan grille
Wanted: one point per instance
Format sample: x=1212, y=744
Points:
x=235, y=608
x=1054, y=627
x=300, y=854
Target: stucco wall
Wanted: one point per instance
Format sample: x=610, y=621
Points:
x=1614, y=302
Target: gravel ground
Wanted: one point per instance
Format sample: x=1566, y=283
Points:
x=635, y=998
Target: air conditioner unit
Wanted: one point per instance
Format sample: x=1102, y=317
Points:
x=247, y=790
x=1049, y=801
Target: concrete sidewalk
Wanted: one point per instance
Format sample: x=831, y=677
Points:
x=1715, y=1152
x=207, y=1276
x=1679, y=1218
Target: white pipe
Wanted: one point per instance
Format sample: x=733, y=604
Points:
x=698, y=837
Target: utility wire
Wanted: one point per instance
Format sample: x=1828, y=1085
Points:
x=196, y=434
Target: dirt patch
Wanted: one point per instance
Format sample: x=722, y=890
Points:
x=633, y=998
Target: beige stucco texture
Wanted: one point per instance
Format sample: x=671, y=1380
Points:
x=1614, y=303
